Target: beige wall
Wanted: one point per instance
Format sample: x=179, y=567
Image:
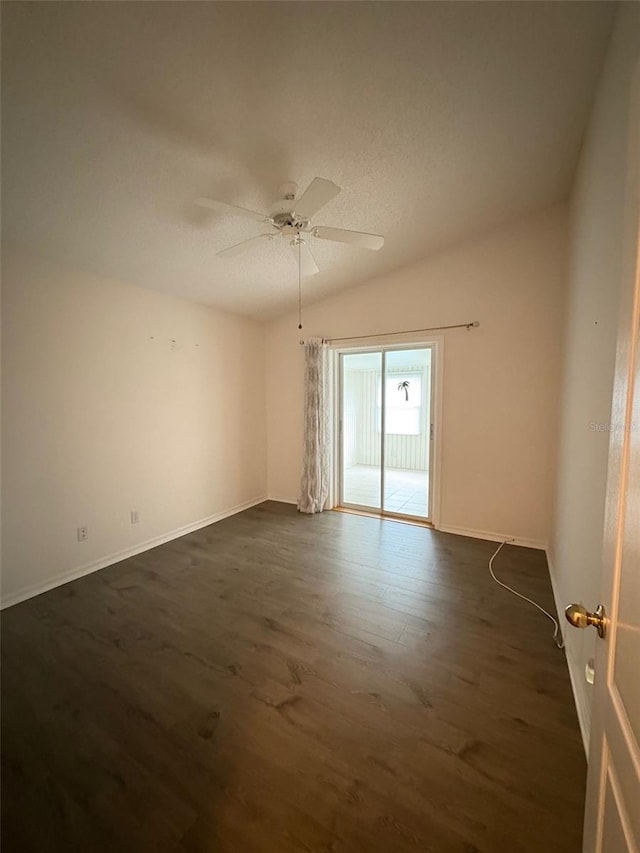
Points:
x=500, y=380
x=590, y=342
x=103, y=414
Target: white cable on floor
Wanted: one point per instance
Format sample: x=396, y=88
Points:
x=556, y=634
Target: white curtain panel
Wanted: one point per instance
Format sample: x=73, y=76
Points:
x=314, y=485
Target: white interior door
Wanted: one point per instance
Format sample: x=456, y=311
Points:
x=612, y=816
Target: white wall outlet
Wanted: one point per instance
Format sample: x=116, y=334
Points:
x=135, y=516
x=83, y=533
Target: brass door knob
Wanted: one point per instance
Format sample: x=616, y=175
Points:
x=579, y=617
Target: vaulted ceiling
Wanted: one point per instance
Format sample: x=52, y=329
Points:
x=438, y=120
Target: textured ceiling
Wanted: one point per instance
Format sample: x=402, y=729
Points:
x=438, y=120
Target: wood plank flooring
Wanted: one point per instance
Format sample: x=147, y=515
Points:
x=277, y=682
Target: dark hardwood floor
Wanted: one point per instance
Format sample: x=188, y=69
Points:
x=278, y=682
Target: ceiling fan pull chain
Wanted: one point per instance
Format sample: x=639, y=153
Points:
x=299, y=283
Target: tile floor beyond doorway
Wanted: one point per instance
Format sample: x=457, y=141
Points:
x=405, y=491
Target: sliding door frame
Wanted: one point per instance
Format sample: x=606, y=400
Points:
x=436, y=345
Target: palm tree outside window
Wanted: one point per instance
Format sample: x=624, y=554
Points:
x=403, y=394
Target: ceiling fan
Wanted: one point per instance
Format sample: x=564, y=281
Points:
x=291, y=218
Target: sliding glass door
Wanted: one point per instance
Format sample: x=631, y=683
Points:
x=407, y=427
x=386, y=430
x=361, y=454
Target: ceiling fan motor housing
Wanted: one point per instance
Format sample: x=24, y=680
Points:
x=288, y=190
x=282, y=213
x=289, y=220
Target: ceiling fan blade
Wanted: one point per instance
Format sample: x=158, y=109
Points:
x=239, y=248
x=302, y=252
x=317, y=194
x=354, y=238
x=214, y=204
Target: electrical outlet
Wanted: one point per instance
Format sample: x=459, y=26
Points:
x=135, y=516
x=83, y=533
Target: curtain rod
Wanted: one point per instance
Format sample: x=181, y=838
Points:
x=473, y=325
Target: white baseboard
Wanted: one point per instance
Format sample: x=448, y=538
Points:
x=491, y=536
x=583, y=712
x=281, y=500
x=103, y=562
